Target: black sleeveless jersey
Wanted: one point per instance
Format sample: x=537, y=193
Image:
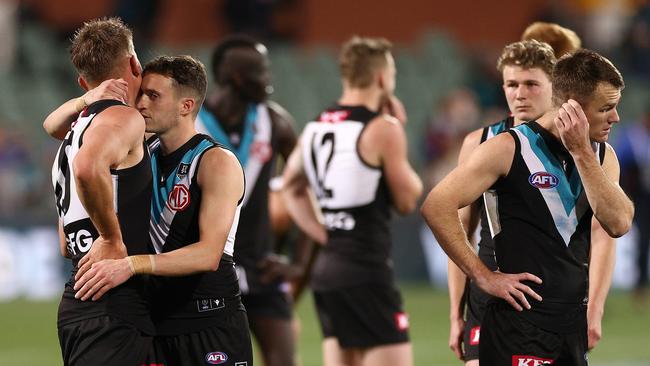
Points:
x=178, y=301
x=486, y=244
x=354, y=200
x=542, y=225
x=132, y=199
x=256, y=146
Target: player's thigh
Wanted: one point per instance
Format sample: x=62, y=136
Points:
x=275, y=337
x=389, y=355
x=334, y=355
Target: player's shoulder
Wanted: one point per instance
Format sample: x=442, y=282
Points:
x=219, y=158
x=278, y=113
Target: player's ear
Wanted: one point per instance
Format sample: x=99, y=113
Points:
x=82, y=83
x=134, y=63
x=187, y=106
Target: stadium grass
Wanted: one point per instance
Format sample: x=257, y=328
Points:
x=28, y=331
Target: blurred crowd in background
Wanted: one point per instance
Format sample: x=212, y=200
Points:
x=446, y=77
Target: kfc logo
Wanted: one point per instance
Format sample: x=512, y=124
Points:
x=530, y=361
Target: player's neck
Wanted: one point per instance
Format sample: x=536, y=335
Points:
x=369, y=97
x=547, y=122
x=172, y=139
x=228, y=106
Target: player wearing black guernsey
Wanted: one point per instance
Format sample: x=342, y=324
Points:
x=239, y=115
x=354, y=157
x=102, y=183
x=198, y=189
x=548, y=182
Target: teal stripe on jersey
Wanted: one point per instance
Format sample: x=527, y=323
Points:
x=568, y=189
x=498, y=128
x=161, y=192
x=217, y=132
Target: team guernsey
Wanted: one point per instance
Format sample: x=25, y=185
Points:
x=131, y=199
x=255, y=143
x=354, y=200
x=189, y=303
x=477, y=299
x=541, y=224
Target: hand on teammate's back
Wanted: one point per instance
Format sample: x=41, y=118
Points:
x=573, y=126
x=276, y=266
x=509, y=287
x=101, y=249
x=109, y=89
x=103, y=276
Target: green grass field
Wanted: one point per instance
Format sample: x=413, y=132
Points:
x=28, y=332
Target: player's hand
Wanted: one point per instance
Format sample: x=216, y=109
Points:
x=456, y=334
x=394, y=107
x=109, y=89
x=102, y=277
x=510, y=287
x=101, y=249
x=276, y=266
x=594, y=328
x=573, y=127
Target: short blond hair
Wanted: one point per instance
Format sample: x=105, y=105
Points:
x=98, y=46
x=361, y=57
x=528, y=55
x=562, y=40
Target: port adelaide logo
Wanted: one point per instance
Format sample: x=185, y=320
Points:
x=543, y=180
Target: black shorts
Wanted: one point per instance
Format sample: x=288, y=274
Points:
x=363, y=316
x=275, y=305
x=509, y=339
x=103, y=340
x=226, y=344
x=476, y=302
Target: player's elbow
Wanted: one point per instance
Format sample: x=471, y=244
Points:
x=618, y=228
x=405, y=206
x=85, y=170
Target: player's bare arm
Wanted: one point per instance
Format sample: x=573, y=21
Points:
x=456, y=279
x=58, y=122
x=610, y=205
x=277, y=266
x=112, y=141
x=221, y=181
x=460, y=188
x=384, y=144
x=601, y=270
x=304, y=212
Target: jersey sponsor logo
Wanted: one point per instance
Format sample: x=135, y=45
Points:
x=334, y=116
x=183, y=169
x=261, y=151
x=339, y=221
x=179, y=198
x=79, y=236
x=401, y=321
x=474, y=336
x=518, y=360
x=216, y=358
x=543, y=180
x=241, y=363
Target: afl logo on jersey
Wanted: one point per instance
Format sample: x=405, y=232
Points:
x=179, y=198
x=216, y=358
x=334, y=116
x=543, y=180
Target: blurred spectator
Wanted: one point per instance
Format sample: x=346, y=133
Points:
x=458, y=113
x=252, y=17
x=633, y=150
x=636, y=45
x=16, y=172
x=8, y=14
